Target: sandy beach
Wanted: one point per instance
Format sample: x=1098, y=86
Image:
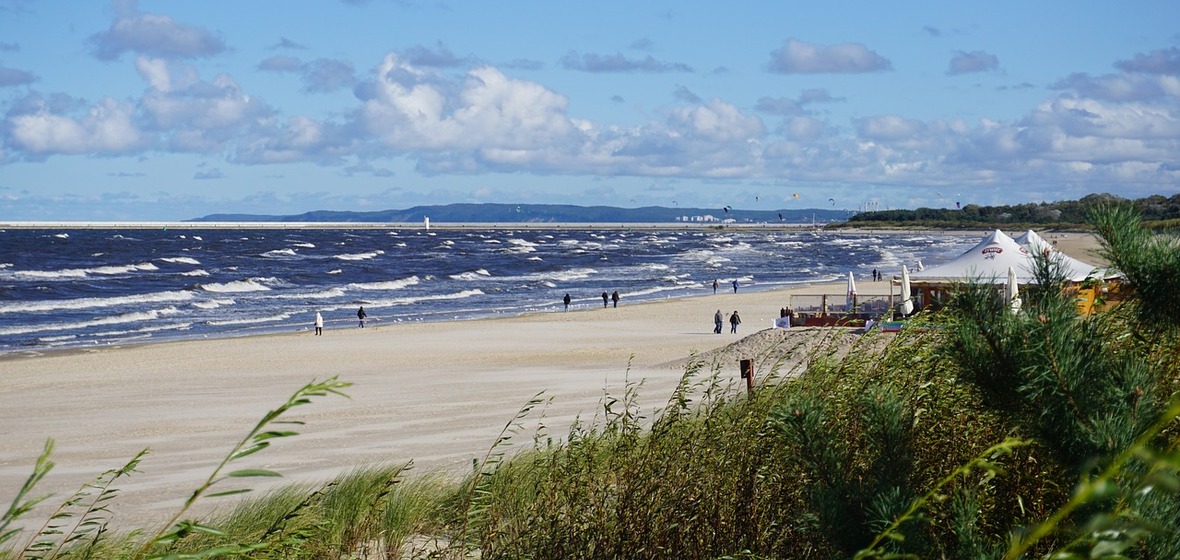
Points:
x=434, y=393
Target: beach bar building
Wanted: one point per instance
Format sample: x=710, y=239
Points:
x=989, y=261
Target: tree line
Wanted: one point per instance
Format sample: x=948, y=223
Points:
x=1156, y=210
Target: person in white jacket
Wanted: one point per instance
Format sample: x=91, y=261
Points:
x=319, y=324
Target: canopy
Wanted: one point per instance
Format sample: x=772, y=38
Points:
x=988, y=260
x=1074, y=269
x=991, y=258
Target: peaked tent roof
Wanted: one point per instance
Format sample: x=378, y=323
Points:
x=1074, y=269
x=991, y=257
x=987, y=260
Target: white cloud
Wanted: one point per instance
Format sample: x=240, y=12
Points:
x=414, y=110
x=155, y=72
x=800, y=57
x=155, y=35
x=107, y=128
x=972, y=62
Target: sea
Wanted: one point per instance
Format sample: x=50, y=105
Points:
x=80, y=288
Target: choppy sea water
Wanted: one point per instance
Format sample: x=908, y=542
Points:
x=85, y=287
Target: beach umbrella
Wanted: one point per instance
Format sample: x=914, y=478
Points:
x=907, y=303
x=851, y=292
x=1012, y=291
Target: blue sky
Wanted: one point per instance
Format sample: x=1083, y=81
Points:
x=172, y=110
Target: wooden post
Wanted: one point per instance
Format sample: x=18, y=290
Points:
x=747, y=367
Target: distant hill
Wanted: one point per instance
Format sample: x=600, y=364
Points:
x=544, y=213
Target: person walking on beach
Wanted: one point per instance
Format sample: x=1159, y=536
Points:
x=319, y=324
x=735, y=285
x=717, y=322
x=360, y=316
x=734, y=321
x=566, y=301
x=615, y=298
x=605, y=298
x=714, y=286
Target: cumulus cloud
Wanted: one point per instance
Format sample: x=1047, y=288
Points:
x=410, y=108
x=597, y=63
x=438, y=57
x=971, y=62
x=154, y=35
x=107, y=128
x=790, y=107
x=322, y=75
x=799, y=57
x=12, y=77
x=1164, y=61
x=1121, y=87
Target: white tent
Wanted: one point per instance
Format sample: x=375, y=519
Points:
x=1074, y=269
x=990, y=259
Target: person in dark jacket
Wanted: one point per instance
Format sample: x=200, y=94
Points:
x=360, y=315
x=734, y=321
x=605, y=299
x=566, y=301
x=615, y=298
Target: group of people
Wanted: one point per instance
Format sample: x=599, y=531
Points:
x=877, y=276
x=607, y=299
x=716, y=284
x=319, y=320
x=718, y=322
x=614, y=297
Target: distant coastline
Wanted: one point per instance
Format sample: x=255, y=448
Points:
x=401, y=225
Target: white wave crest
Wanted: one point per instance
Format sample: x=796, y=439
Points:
x=124, y=318
x=473, y=275
x=248, y=285
x=280, y=253
x=213, y=303
x=93, y=303
x=358, y=256
x=250, y=320
x=182, y=260
x=84, y=272
x=391, y=285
